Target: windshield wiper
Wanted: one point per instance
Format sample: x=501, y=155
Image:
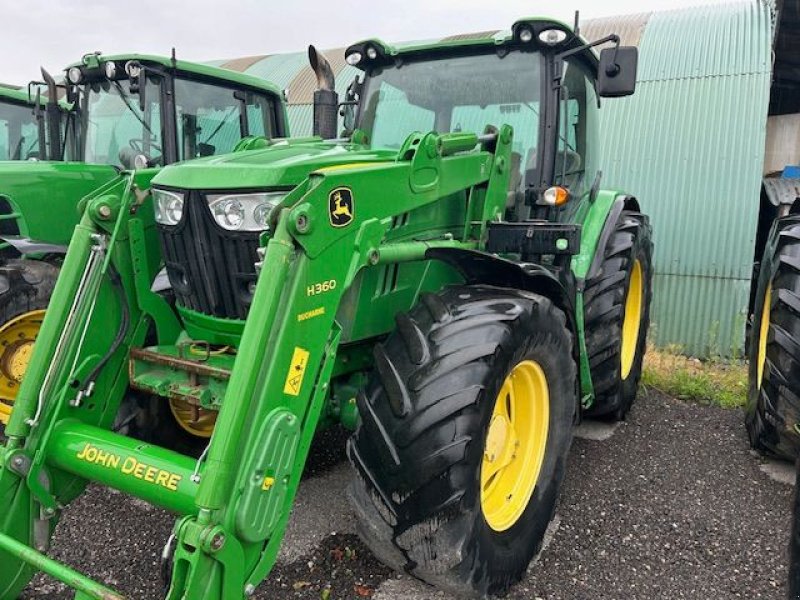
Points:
x=125, y=99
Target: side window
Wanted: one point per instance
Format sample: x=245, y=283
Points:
x=30, y=142
x=210, y=117
x=260, y=116
x=396, y=117
x=571, y=159
x=522, y=116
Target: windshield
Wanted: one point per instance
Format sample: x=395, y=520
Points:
x=19, y=132
x=116, y=125
x=213, y=118
x=464, y=93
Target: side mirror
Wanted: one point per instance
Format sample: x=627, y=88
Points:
x=616, y=75
x=348, y=116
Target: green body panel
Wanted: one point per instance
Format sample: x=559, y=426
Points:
x=283, y=164
x=44, y=195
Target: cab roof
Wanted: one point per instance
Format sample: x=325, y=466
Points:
x=191, y=68
x=17, y=96
x=475, y=41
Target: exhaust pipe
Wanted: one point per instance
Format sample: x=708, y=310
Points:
x=326, y=100
x=53, y=117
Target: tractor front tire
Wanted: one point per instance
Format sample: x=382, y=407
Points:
x=25, y=289
x=617, y=316
x=466, y=424
x=772, y=414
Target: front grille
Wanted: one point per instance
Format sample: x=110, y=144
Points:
x=212, y=270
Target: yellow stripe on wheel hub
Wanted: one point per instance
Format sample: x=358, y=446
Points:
x=192, y=418
x=763, y=332
x=16, y=346
x=515, y=445
x=634, y=302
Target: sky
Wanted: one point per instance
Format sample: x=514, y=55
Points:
x=55, y=33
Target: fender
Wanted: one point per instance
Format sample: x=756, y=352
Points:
x=477, y=267
x=598, y=219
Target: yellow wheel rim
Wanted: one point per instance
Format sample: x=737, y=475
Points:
x=192, y=418
x=763, y=332
x=633, y=319
x=16, y=346
x=515, y=445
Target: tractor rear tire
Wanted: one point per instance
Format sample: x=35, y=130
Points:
x=25, y=289
x=772, y=414
x=617, y=316
x=456, y=473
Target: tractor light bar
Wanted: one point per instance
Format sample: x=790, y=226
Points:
x=168, y=206
x=244, y=212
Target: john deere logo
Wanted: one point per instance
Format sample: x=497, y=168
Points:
x=340, y=207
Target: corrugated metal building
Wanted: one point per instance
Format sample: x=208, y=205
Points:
x=690, y=144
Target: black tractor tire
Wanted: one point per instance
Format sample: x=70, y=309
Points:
x=26, y=285
x=605, y=297
x=772, y=413
x=425, y=414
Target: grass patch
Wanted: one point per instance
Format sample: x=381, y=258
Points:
x=715, y=381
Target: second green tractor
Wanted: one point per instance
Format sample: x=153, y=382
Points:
x=117, y=112
x=448, y=278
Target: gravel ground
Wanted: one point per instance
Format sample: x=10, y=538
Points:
x=672, y=505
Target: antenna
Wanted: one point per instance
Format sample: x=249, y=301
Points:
x=577, y=27
x=174, y=61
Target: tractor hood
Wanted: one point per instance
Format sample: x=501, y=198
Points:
x=282, y=163
x=43, y=196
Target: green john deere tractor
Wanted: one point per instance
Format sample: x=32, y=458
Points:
x=126, y=111
x=448, y=278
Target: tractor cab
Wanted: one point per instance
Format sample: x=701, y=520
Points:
x=22, y=132
x=135, y=111
x=543, y=80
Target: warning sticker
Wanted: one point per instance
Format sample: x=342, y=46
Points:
x=297, y=369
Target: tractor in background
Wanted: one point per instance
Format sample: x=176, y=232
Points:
x=125, y=112
x=448, y=278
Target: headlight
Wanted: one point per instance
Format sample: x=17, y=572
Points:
x=168, y=207
x=244, y=212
